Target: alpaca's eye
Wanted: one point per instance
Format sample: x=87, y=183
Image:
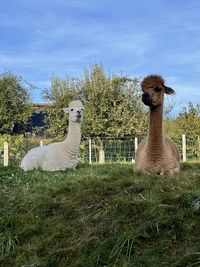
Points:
x=81, y=109
x=157, y=89
x=72, y=109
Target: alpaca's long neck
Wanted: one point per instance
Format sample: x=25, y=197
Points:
x=155, y=135
x=74, y=133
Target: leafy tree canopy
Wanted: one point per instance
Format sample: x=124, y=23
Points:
x=14, y=102
x=112, y=103
x=187, y=122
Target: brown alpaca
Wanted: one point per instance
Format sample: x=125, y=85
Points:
x=156, y=153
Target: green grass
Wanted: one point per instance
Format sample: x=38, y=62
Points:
x=100, y=215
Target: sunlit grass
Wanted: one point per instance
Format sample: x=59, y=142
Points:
x=99, y=215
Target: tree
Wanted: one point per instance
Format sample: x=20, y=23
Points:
x=112, y=103
x=188, y=120
x=114, y=107
x=14, y=102
x=169, y=107
x=61, y=93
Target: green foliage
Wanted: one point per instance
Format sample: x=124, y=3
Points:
x=18, y=146
x=99, y=216
x=171, y=128
x=61, y=93
x=14, y=102
x=187, y=122
x=112, y=104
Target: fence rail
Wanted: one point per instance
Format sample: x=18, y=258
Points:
x=95, y=150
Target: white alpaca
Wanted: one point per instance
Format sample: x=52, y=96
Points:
x=61, y=155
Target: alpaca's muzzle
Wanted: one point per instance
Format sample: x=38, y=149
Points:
x=146, y=99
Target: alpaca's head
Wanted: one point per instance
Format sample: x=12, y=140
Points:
x=153, y=87
x=75, y=111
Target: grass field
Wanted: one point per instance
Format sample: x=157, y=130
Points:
x=99, y=215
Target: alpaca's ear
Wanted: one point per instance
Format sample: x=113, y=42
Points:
x=169, y=90
x=66, y=110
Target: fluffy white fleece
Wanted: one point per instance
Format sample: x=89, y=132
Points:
x=61, y=155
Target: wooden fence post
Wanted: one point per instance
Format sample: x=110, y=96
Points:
x=41, y=142
x=101, y=156
x=90, y=151
x=184, y=150
x=136, y=144
x=101, y=153
x=198, y=141
x=5, y=154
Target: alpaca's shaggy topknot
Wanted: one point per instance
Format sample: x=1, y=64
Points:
x=152, y=80
x=75, y=103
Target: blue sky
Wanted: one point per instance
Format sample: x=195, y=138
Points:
x=63, y=37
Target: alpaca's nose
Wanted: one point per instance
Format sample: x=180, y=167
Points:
x=145, y=96
x=78, y=113
x=146, y=99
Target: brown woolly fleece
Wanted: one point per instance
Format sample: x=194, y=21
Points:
x=152, y=80
x=156, y=153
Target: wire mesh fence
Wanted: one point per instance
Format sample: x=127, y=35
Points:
x=18, y=146
x=192, y=147
x=123, y=149
x=96, y=150
x=113, y=149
